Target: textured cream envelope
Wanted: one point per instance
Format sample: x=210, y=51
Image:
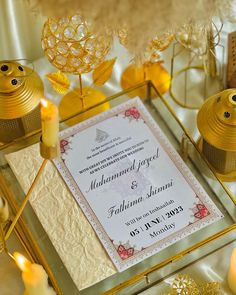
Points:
x=71, y=234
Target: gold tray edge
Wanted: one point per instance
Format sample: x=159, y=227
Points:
x=145, y=274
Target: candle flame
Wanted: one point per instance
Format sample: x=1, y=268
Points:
x=44, y=102
x=21, y=261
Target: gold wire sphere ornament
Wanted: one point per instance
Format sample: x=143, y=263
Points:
x=217, y=124
x=70, y=45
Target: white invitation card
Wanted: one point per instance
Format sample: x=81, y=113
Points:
x=131, y=184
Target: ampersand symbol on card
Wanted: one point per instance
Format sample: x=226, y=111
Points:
x=134, y=184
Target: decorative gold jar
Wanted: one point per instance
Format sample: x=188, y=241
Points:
x=217, y=124
x=20, y=92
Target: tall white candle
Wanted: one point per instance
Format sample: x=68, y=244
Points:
x=50, y=123
x=232, y=272
x=34, y=277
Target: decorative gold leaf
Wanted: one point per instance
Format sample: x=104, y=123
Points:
x=60, y=82
x=103, y=72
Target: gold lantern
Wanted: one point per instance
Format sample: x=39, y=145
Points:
x=217, y=124
x=20, y=92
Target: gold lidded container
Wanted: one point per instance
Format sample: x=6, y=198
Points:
x=217, y=124
x=20, y=92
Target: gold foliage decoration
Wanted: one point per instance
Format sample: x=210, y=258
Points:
x=103, y=72
x=59, y=81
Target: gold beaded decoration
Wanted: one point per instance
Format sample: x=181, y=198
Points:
x=70, y=45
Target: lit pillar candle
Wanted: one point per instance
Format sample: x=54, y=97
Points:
x=50, y=123
x=232, y=272
x=34, y=277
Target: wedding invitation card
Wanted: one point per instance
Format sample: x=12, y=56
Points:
x=131, y=184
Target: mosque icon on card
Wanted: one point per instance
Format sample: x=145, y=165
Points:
x=101, y=136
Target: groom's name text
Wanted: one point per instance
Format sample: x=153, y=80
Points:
x=135, y=166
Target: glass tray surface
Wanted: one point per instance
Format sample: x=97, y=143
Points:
x=162, y=264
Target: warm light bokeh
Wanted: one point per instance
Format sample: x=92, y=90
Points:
x=21, y=261
x=44, y=102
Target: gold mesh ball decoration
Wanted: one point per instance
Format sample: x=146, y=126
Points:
x=70, y=45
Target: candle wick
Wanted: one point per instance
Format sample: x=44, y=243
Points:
x=10, y=255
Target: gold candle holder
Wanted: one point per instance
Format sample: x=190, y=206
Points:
x=49, y=152
x=217, y=124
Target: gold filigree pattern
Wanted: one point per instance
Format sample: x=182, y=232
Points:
x=212, y=288
x=185, y=285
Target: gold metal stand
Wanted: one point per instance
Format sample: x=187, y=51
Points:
x=210, y=75
x=18, y=215
x=80, y=100
x=48, y=153
x=3, y=247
